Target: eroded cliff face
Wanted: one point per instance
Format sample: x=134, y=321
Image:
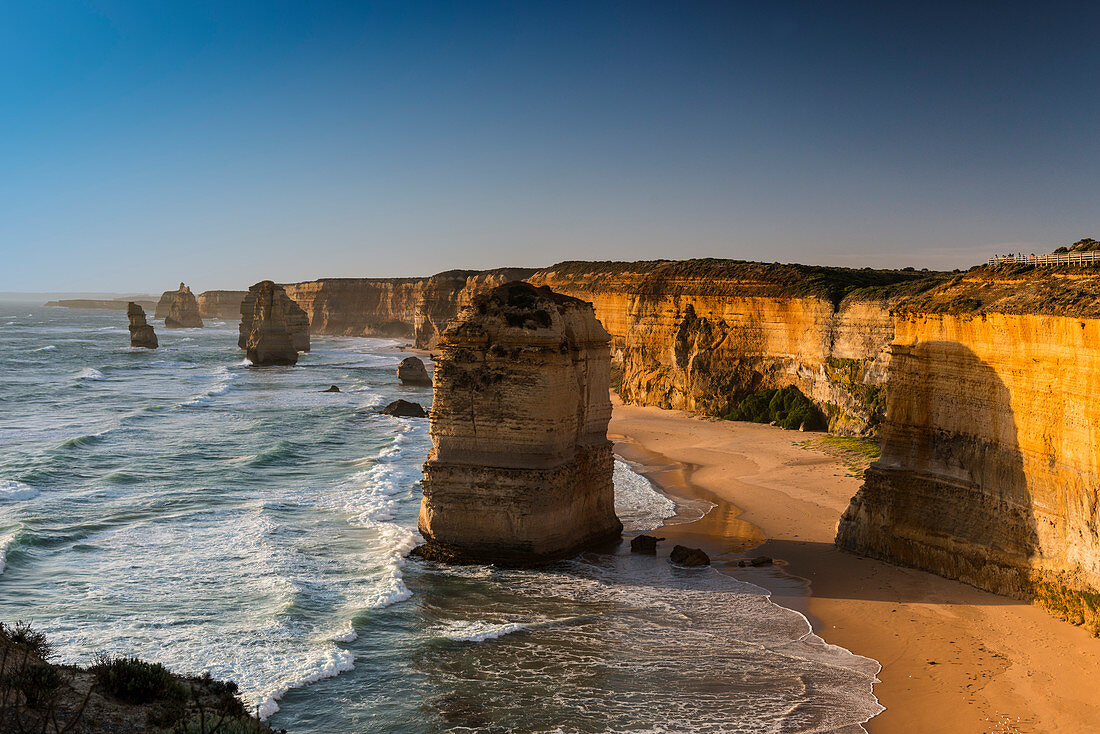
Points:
x=287, y=310
x=224, y=305
x=520, y=470
x=702, y=342
x=990, y=464
x=359, y=306
x=444, y=295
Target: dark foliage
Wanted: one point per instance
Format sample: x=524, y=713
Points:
x=136, y=681
x=788, y=407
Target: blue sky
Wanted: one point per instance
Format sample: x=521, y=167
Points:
x=224, y=142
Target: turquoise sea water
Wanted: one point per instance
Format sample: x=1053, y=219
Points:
x=184, y=507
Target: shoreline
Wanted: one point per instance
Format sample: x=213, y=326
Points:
x=954, y=658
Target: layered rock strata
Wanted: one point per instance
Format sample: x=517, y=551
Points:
x=296, y=320
x=267, y=339
x=384, y=307
x=520, y=470
x=141, y=333
x=224, y=305
x=990, y=469
x=183, y=309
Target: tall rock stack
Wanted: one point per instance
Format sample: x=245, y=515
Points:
x=271, y=331
x=297, y=321
x=520, y=471
x=141, y=333
x=183, y=309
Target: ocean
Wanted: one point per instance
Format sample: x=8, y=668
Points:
x=184, y=507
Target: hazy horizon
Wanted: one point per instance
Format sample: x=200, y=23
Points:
x=221, y=144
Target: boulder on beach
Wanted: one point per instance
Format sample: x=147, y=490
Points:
x=684, y=556
x=404, y=409
x=141, y=333
x=411, y=371
x=755, y=562
x=644, y=544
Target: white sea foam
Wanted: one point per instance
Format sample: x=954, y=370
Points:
x=6, y=539
x=637, y=503
x=89, y=373
x=475, y=631
x=13, y=491
x=336, y=662
x=47, y=348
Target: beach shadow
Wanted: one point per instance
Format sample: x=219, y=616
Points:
x=949, y=494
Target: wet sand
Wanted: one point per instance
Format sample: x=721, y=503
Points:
x=955, y=659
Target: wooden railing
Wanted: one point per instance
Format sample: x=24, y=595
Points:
x=1055, y=258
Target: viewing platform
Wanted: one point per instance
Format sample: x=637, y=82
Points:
x=1054, y=258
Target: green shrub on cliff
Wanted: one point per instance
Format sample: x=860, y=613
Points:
x=787, y=407
x=136, y=681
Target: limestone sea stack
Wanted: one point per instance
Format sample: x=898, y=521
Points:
x=141, y=333
x=265, y=332
x=183, y=309
x=411, y=371
x=297, y=321
x=520, y=470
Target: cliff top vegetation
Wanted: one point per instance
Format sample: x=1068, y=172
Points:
x=740, y=277
x=1013, y=289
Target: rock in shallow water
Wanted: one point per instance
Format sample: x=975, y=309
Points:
x=684, y=556
x=404, y=409
x=332, y=389
x=411, y=371
x=644, y=544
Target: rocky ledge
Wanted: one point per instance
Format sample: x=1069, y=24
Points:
x=520, y=471
x=141, y=333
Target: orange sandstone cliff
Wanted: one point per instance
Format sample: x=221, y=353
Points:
x=520, y=470
x=990, y=470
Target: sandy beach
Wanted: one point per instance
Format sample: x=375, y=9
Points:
x=954, y=659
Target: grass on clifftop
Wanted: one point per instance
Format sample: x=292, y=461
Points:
x=759, y=278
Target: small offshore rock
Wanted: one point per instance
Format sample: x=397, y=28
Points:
x=755, y=562
x=332, y=389
x=411, y=371
x=683, y=556
x=404, y=409
x=644, y=544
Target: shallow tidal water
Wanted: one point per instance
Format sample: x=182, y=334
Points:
x=184, y=507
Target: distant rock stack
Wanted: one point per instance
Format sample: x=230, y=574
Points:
x=183, y=309
x=520, y=471
x=297, y=321
x=411, y=371
x=141, y=333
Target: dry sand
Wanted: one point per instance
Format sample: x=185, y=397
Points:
x=955, y=659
